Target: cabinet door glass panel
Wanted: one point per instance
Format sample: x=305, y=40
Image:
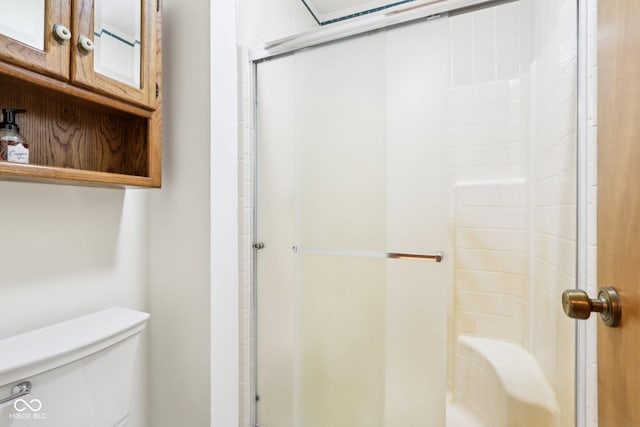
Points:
x=24, y=22
x=117, y=29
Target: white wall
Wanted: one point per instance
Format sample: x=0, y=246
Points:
x=180, y=232
x=225, y=338
x=70, y=251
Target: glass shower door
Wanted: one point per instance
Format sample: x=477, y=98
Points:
x=456, y=134
x=351, y=168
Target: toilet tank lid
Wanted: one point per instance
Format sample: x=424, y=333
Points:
x=42, y=349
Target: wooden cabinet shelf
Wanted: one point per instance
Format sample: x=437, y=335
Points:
x=84, y=135
x=80, y=137
x=58, y=175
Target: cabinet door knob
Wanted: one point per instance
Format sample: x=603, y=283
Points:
x=85, y=45
x=61, y=33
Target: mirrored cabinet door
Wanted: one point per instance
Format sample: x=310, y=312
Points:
x=115, y=49
x=117, y=29
x=35, y=34
x=25, y=23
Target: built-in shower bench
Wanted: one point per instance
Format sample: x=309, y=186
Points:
x=503, y=384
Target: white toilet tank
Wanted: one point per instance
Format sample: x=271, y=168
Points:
x=79, y=372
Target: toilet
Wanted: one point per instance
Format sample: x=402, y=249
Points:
x=72, y=374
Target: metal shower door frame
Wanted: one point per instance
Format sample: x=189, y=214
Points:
x=405, y=14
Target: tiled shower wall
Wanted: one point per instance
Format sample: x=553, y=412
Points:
x=492, y=270
x=554, y=126
x=512, y=157
x=488, y=150
x=485, y=148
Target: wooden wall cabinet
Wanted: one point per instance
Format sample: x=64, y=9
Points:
x=94, y=116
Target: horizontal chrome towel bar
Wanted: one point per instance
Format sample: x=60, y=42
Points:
x=17, y=391
x=437, y=256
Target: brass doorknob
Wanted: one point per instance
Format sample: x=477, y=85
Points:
x=577, y=305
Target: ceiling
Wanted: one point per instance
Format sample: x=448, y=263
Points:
x=330, y=11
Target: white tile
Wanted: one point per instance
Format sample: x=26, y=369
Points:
x=491, y=113
x=484, y=17
x=462, y=76
x=478, y=195
x=514, y=89
x=514, y=194
x=514, y=112
x=484, y=53
x=485, y=303
x=480, y=217
x=462, y=117
x=515, y=263
x=507, y=12
x=513, y=218
x=592, y=224
x=491, y=134
x=460, y=22
x=491, y=92
x=593, y=96
x=515, y=131
x=460, y=97
x=462, y=136
x=507, y=58
x=461, y=48
x=462, y=157
x=471, y=238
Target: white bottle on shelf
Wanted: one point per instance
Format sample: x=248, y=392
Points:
x=13, y=145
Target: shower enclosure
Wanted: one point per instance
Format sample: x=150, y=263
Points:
x=415, y=209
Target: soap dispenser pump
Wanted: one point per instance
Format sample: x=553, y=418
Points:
x=13, y=145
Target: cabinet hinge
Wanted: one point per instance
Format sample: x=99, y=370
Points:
x=157, y=90
x=157, y=5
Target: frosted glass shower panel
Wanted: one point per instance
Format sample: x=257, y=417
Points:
x=340, y=146
x=415, y=381
x=117, y=29
x=275, y=265
x=340, y=323
x=23, y=21
x=416, y=138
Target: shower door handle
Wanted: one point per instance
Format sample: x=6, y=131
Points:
x=437, y=256
x=577, y=305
